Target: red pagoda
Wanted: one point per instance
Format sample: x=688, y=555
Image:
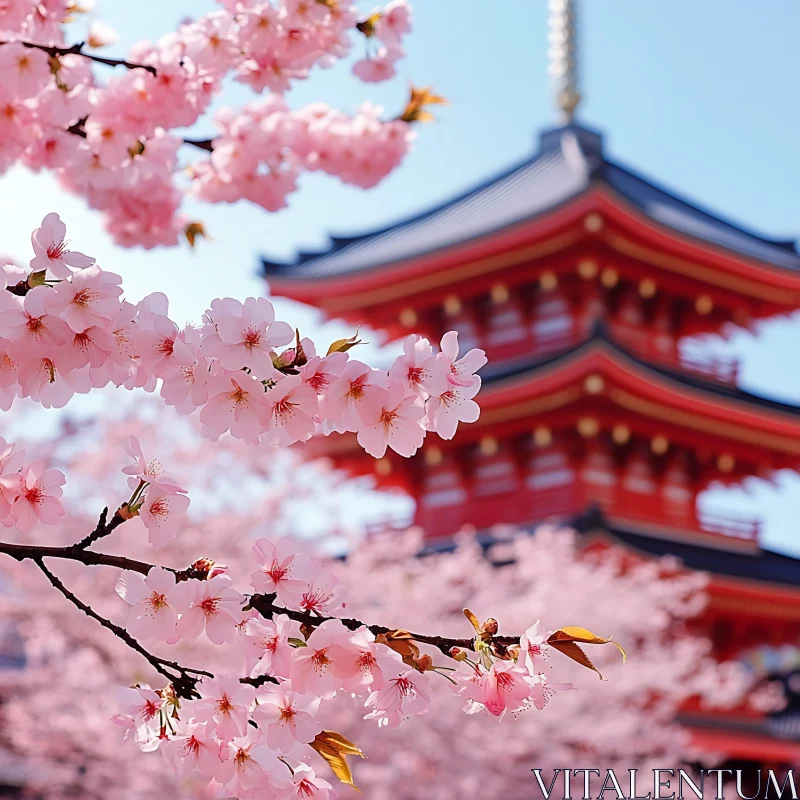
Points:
x=581, y=280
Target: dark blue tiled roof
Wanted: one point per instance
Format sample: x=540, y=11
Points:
x=569, y=161
x=497, y=372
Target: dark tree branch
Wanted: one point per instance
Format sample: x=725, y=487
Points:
x=77, y=50
x=265, y=605
x=103, y=529
x=179, y=676
x=20, y=552
x=203, y=144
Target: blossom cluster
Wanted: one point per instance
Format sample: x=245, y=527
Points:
x=254, y=734
x=115, y=143
x=28, y=492
x=65, y=329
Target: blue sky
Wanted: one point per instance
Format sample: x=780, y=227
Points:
x=699, y=96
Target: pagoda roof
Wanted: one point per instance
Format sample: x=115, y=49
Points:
x=570, y=163
x=600, y=340
x=756, y=564
x=720, y=558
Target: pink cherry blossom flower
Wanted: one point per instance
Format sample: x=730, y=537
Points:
x=362, y=665
x=394, y=22
x=504, y=687
x=248, y=765
x=236, y=404
x=192, y=748
x=305, y=784
x=376, y=69
x=533, y=647
x=418, y=369
x=141, y=715
x=215, y=608
x=50, y=246
x=452, y=406
x=266, y=647
x=92, y=347
x=310, y=671
x=405, y=694
x=346, y=396
x=155, y=342
x=390, y=418
x=10, y=466
x=321, y=371
x=152, y=598
x=226, y=703
x=90, y=298
x=292, y=406
x=461, y=370
x=151, y=472
x=38, y=497
x=246, y=334
x=29, y=327
x=160, y=513
x=287, y=717
x=281, y=570
x=542, y=690
x=324, y=593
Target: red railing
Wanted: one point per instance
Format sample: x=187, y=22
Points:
x=732, y=527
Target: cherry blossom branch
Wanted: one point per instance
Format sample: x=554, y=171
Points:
x=77, y=50
x=265, y=605
x=21, y=552
x=183, y=682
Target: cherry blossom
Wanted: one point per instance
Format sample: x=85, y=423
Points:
x=160, y=512
x=50, y=246
x=462, y=370
x=391, y=419
x=153, y=601
x=280, y=570
x=141, y=713
x=361, y=664
x=287, y=718
x=266, y=646
x=402, y=696
x=452, y=406
x=311, y=670
x=226, y=703
x=191, y=748
x=215, y=608
x=149, y=472
x=38, y=497
x=305, y=784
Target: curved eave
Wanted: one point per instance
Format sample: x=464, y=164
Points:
x=641, y=390
x=630, y=233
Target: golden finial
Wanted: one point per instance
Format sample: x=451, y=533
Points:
x=563, y=55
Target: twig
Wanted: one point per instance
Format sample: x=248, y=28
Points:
x=183, y=682
x=103, y=529
x=203, y=144
x=265, y=605
x=77, y=50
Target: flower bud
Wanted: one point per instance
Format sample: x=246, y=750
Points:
x=457, y=654
x=490, y=626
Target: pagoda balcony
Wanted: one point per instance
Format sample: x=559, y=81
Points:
x=556, y=506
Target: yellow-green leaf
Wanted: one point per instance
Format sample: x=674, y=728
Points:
x=334, y=748
x=343, y=345
x=194, y=231
x=584, y=636
x=571, y=650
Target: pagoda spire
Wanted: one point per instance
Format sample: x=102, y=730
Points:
x=563, y=57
